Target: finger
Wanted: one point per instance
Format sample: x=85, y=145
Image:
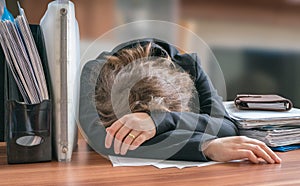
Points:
x=266, y=149
x=111, y=132
x=128, y=140
x=271, y=153
x=119, y=137
x=241, y=154
x=115, y=127
x=259, y=152
x=108, y=139
x=138, y=141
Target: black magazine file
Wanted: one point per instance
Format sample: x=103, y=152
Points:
x=2, y=92
x=28, y=126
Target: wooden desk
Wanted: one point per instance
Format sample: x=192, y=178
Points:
x=89, y=168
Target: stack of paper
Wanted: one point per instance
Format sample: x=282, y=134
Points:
x=22, y=58
x=272, y=127
x=279, y=136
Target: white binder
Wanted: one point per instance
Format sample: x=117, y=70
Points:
x=61, y=35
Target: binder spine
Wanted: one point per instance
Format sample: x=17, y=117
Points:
x=64, y=82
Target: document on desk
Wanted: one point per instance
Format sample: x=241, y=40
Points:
x=274, y=128
x=161, y=164
x=253, y=119
x=279, y=136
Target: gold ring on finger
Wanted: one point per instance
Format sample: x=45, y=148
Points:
x=131, y=135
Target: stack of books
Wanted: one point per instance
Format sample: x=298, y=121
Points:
x=275, y=128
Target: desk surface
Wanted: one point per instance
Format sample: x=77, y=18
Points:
x=89, y=168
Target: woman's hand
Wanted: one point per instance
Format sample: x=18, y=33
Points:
x=239, y=147
x=129, y=132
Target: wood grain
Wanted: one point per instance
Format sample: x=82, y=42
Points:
x=89, y=168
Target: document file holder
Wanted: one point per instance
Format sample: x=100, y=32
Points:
x=28, y=126
x=2, y=91
x=28, y=132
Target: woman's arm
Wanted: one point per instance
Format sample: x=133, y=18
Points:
x=180, y=144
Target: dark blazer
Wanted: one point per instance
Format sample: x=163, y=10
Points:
x=179, y=135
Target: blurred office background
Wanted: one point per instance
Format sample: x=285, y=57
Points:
x=256, y=42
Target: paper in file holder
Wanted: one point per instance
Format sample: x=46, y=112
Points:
x=28, y=126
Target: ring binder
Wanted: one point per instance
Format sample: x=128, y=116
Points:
x=61, y=33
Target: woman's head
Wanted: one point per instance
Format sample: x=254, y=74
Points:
x=134, y=81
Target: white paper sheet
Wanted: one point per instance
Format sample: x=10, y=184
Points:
x=161, y=164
